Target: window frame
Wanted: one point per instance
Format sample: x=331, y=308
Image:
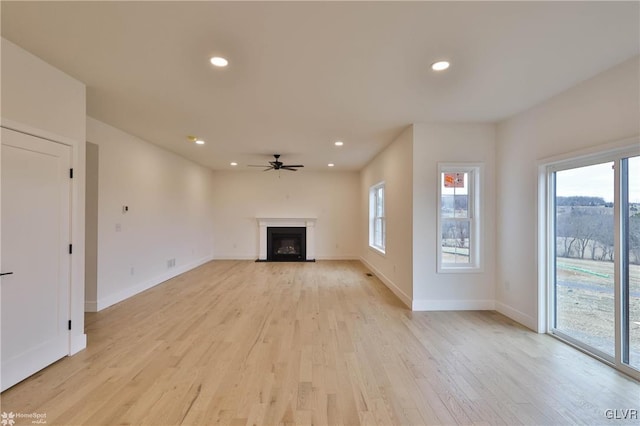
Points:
x=374, y=218
x=475, y=173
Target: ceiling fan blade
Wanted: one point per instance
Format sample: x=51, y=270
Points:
x=277, y=165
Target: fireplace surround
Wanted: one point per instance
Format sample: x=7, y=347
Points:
x=287, y=229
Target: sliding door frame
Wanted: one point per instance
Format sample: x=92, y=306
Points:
x=614, y=152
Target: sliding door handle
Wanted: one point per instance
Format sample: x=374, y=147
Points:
x=6, y=273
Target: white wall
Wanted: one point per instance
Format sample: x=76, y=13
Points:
x=169, y=217
x=40, y=99
x=241, y=196
x=91, y=224
x=434, y=143
x=39, y=95
x=394, y=166
x=603, y=109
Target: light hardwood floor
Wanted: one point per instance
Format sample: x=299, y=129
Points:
x=238, y=342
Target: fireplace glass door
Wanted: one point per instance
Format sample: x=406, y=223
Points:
x=286, y=244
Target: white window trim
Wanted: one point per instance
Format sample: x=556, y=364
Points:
x=476, y=265
x=378, y=249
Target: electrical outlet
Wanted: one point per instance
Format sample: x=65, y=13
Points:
x=171, y=263
x=118, y=227
x=133, y=270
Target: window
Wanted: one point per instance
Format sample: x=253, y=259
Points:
x=377, y=231
x=459, y=218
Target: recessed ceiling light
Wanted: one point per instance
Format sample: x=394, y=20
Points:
x=219, y=61
x=330, y=164
x=339, y=143
x=440, y=65
x=199, y=142
x=233, y=163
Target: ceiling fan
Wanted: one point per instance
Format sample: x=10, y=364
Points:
x=278, y=165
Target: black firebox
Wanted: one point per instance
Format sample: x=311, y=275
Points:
x=286, y=244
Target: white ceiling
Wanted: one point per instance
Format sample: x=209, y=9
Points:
x=304, y=74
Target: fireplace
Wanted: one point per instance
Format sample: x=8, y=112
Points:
x=286, y=244
x=300, y=248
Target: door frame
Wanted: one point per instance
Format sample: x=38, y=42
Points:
x=77, y=336
x=546, y=237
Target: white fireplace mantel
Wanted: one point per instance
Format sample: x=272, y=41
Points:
x=305, y=222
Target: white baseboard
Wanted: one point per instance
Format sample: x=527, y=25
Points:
x=453, y=305
x=139, y=288
x=520, y=317
x=390, y=284
x=78, y=342
x=244, y=257
x=91, y=306
x=233, y=257
x=339, y=257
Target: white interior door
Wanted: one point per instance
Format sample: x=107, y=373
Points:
x=35, y=248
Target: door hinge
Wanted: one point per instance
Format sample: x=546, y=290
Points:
x=69, y=324
x=70, y=248
x=70, y=173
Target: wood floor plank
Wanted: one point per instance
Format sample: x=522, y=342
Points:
x=245, y=343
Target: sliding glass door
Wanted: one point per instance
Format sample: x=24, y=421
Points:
x=594, y=256
x=584, y=269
